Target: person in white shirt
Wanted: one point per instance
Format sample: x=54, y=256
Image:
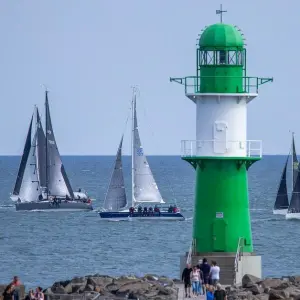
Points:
x=214, y=273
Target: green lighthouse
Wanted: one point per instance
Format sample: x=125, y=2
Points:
x=221, y=154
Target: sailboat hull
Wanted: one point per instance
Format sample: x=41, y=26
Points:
x=292, y=216
x=49, y=206
x=140, y=216
x=280, y=211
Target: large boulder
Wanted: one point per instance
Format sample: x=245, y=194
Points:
x=272, y=283
x=101, y=281
x=249, y=280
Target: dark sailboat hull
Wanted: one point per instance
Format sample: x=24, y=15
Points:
x=140, y=216
x=48, y=206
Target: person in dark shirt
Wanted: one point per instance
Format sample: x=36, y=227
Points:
x=8, y=292
x=205, y=268
x=186, y=278
x=219, y=293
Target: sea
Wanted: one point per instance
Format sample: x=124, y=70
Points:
x=44, y=247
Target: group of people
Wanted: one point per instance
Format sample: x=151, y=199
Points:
x=12, y=291
x=202, y=277
x=145, y=211
x=149, y=211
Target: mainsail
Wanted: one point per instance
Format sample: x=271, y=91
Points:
x=295, y=162
x=23, y=161
x=40, y=151
x=116, y=196
x=295, y=201
x=144, y=186
x=29, y=190
x=282, y=201
x=57, y=181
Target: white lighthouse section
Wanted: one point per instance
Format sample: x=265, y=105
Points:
x=221, y=127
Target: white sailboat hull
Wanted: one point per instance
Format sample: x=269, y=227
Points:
x=292, y=216
x=280, y=211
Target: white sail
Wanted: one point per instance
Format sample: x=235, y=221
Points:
x=144, y=186
x=116, y=196
x=29, y=190
x=57, y=181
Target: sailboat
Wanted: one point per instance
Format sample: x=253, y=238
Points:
x=42, y=182
x=282, y=202
x=144, y=188
x=293, y=211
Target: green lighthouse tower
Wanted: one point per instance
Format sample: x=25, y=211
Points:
x=221, y=154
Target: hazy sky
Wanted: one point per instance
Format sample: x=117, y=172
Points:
x=90, y=52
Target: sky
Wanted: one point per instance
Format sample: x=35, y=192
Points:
x=90, y=52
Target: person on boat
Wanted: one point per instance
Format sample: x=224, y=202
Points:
x=157, y=210
x=145, y=211
x=140, y=209
x=19, y=200
x=40, y=197
x=170, y=209
x=67, y=197
x=175, y=209
x=131, y=211
x=79, y=190
x=150, y=211
x=89, y=201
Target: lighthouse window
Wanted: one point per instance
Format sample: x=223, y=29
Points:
x=207, y=58
x=223, y=57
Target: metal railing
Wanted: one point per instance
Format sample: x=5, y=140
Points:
x=196, y=148
x=239, y=253
x=249, y=84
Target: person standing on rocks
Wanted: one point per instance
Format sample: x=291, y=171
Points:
x=214, y=273
x=186, y=278
x=220, y=294
x=16, y=288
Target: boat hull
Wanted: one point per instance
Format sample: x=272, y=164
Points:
x=292, y=216
x=47, y=206
x=139, y=216
x=280, y=211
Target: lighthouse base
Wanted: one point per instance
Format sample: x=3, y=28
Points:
x=248, y=263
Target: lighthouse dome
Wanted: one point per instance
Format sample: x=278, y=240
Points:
x=221, y=36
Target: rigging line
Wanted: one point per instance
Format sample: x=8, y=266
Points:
x=169, y=183
x=145, y=114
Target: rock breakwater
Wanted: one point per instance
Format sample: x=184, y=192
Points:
x=131, y=287
x=253, y=288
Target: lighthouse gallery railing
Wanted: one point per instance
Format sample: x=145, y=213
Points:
x=194, y=148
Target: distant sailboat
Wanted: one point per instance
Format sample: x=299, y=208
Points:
x=42, y=183
x=282, y=202
x=293, y=211
x=144, y=187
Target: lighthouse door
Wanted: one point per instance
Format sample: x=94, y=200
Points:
x=219, y=235
x=220, y=137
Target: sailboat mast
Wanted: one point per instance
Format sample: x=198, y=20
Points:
x=132, y=146
x=292, y=161
x=46, y=114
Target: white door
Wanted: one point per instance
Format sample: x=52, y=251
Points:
x=220, y=137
